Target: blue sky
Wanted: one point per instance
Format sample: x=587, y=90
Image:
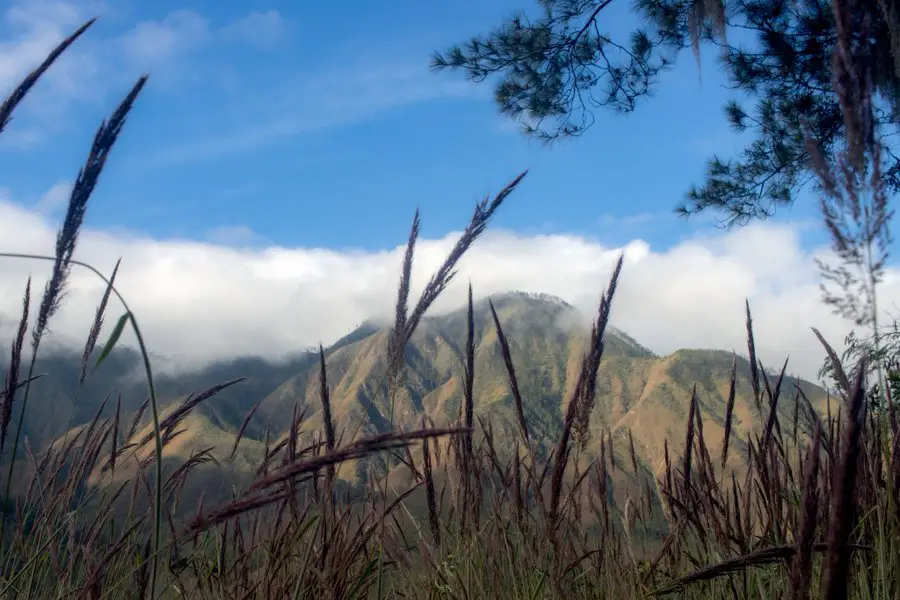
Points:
x=309, y=127
x=264, y=185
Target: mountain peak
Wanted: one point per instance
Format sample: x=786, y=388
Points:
x=533, y=296
x=539, y=313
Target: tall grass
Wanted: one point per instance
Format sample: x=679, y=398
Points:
x=812, y=509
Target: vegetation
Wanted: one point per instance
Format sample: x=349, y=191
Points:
x=555, y=70
x=776, y=491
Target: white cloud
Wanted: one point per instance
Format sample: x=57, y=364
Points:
x=234, y=235
x=199, y=301
x=181, y=51
x=262, y=29
x=98, y=64
x=31, y=30
x=154, y=42
x=54, y=199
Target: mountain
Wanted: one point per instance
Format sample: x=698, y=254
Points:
x=546, y=338
x=56, y=401
x=638, y=392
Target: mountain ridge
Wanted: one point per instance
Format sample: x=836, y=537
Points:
x=642, y=398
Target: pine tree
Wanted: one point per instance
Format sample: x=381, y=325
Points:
x=553, y=72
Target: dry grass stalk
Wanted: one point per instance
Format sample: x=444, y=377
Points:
x=511, y=373
x=582, y=400
x=843, y=506
x=729, y=411
x=9, y=105
x=433, y=518
x=801, y=570
x=12, y=372
x=94, y=333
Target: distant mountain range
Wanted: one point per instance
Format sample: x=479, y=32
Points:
x=637, y=391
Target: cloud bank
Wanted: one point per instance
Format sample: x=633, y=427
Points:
x=200, y=301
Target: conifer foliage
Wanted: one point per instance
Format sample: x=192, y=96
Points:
x=555, y=67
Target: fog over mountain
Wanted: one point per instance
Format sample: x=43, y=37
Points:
x=199, y=302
